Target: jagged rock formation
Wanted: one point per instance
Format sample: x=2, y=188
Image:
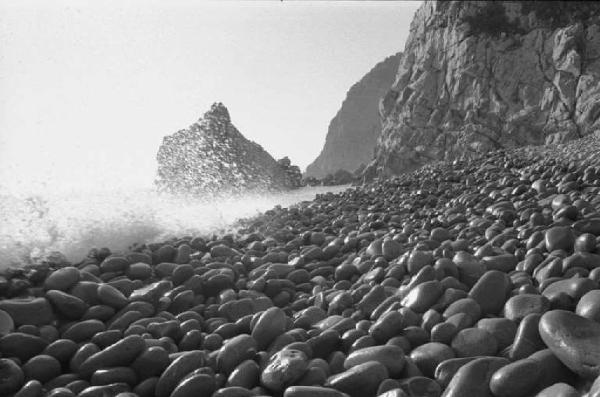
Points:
x=212, y=156
x=477, y=76
x=353, y=131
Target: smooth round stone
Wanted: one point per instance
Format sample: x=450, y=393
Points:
x=22, y=346
x=503, y=329
x=466, y=306
x=42, y=368
x=308, y=391
x=7, y=325
x=589, y=306
x=151, y=362
x=360, y=380
x=234, y=351
x=245, y=375
x=472, y=379
x=33, y=388
x=114, y=264
x=428, y=356
x=470, y=269
x=423, y=296
x=68, y=305
x=283, y=369
x=61, y=349
x=62, y=279
x=83, y=330
x=575, y=288
x=491, y=291
x=177, y=370
x=516, y=379
x=139, y=271
x=519, y=306
x=118, y=354
x=112, y=297
x=271, y=323
x=527, y=339
x=195, y=385
x=443, y=333
x=392, y=357
x=61, y=392
x=559, y=390
x=575, y=340
x=559, y=238
x=503, y=262
x=11, y=377
x=471, y=342
x=391, y=249
x=36, y=311
x=421, y=386
x=417, y=260
x=99, y=312
x=106, y=376
x=446, y=370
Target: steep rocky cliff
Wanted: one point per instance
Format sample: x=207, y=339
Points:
x=212, y=156
x=476, y=76
x=353, y=131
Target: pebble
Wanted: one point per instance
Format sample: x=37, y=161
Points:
x=21, y=345
x=28, y=311
x=471, y=342
x=519, y=306
x=491, y=291
x=177, y=370
x=472, y=379
x=121, y=353
x=429, y=355
x=234, y=351
x=517, y=379
x=575, y=340
x=283, y=369
x=360, y=380
x=589, y=306
x=195, y=385
x=42, y=368
x=62, y=279
x=392, y=357
x=11, y=377
x=67, y=305
x=559, y=238
x=271, y=323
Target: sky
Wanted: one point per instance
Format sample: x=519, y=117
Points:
x=89, y=89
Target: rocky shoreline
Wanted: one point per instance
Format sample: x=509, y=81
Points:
x=477, y=277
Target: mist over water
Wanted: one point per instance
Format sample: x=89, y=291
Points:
x=72, y=221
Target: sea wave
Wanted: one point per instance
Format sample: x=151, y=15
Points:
x=35, y=224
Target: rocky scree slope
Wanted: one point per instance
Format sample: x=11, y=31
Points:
x=474, y=277
x=477, y=76
x=353, y=132
x=213, y=156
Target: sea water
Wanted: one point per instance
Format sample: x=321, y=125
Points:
x=73, y=221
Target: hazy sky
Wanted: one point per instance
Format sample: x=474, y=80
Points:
x=88, y=89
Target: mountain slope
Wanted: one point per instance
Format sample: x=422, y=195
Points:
x=353, y=131
x=477, y=76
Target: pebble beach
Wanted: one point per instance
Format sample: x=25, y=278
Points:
x=472, y=277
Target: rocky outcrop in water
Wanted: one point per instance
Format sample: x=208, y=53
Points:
x=213, y=156
x=477, y=76
x=353, y=131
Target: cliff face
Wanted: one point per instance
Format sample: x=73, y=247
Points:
x=353, y=131
x=477, y=76
x=213, y=156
